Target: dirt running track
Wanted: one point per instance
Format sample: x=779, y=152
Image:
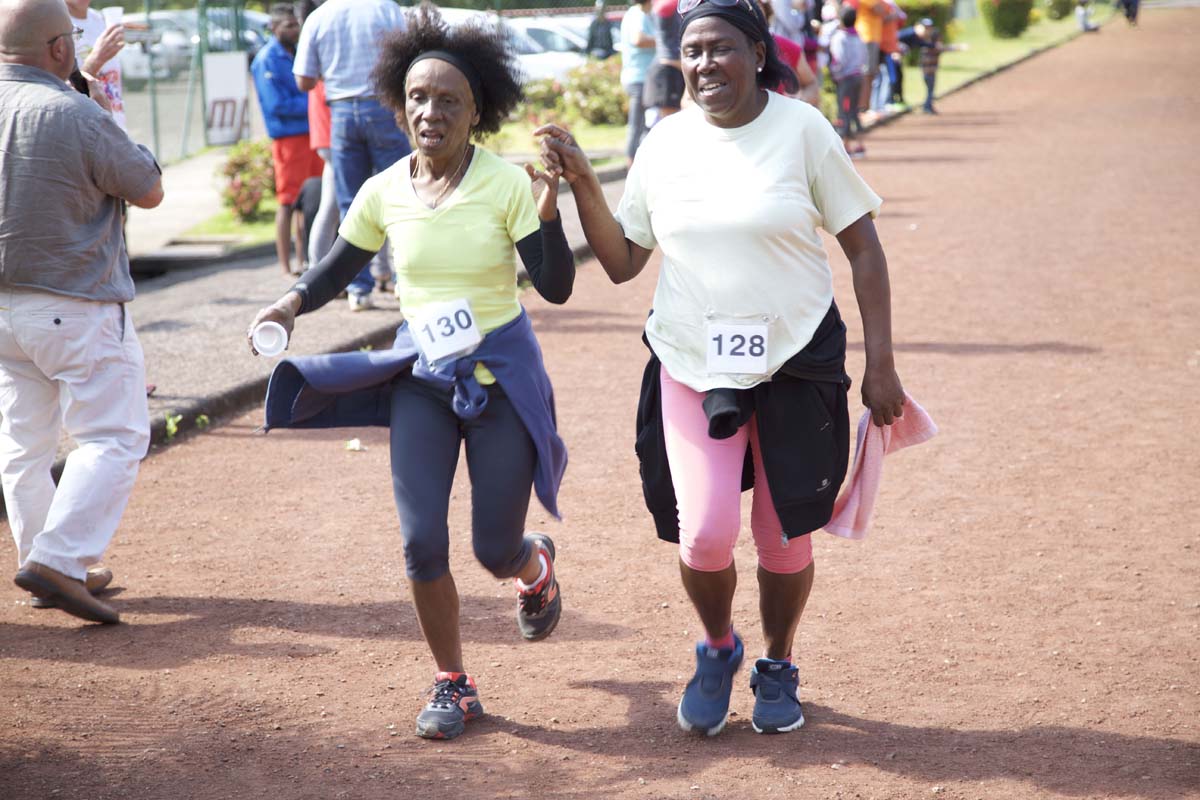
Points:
x=1024, y=620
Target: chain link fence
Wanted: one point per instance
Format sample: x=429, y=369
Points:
x=170, y=47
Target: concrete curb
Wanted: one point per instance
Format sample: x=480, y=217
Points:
x=241, y=396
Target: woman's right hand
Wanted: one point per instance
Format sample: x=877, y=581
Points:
x=282, y=311
x=561, y=153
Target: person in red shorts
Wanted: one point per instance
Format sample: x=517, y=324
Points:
x=285, y=111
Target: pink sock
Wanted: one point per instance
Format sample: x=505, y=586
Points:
x=725, y=642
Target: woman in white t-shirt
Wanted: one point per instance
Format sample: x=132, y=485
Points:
x=746, y=382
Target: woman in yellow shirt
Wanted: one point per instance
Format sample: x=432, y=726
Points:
x=465, y=366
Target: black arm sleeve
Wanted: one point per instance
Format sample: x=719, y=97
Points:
x=548, y=260
x=323, y=282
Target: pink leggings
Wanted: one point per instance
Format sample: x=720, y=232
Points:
x=707, y=474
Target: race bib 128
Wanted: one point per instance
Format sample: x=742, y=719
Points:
x=739, y=349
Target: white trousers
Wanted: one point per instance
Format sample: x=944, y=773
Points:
x=75, y=364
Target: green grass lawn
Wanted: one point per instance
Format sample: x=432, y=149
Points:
x=260, y=229
x=516, y=139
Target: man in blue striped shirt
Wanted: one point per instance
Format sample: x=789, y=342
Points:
x=340, y=44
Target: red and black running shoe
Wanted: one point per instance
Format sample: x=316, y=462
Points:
x=453, y=702
x=540, y=606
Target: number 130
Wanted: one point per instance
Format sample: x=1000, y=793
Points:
x=461, y=319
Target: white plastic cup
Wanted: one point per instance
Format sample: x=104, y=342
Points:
x=113, y=15
x=269, y=338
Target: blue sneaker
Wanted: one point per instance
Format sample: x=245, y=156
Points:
x=705, y=703
x=776, y=707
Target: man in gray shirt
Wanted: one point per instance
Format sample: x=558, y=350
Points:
x=69, y=357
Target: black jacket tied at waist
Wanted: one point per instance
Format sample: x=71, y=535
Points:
x=803, y=429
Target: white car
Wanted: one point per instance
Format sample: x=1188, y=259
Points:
x=536, y=62
x=551, y=34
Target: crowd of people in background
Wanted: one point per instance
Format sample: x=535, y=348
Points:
x=860, y=45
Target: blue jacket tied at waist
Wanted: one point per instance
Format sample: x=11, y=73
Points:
x=354, y=389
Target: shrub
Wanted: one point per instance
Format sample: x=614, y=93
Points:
x=594, y=93
x=250, y=177
x=1057, y=9
x=543, y=103
x=940, y=11
x=1006, y=19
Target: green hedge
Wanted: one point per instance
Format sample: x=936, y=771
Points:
x=592, y=93
x=1006, y=19
x=940, y=11
x=1057, y=9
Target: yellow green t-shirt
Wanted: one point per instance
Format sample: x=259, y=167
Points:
x=461, y=249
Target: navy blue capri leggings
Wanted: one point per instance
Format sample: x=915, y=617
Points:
x=500, y=460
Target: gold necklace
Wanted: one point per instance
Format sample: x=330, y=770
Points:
x=437, y=201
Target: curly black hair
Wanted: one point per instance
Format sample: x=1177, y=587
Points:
x=479, y=43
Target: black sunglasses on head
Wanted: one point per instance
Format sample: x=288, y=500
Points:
x=684, y=6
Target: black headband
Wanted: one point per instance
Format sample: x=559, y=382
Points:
x=462, y=65
x=739, y=16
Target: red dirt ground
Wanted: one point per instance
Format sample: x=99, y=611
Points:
x=1022, y=622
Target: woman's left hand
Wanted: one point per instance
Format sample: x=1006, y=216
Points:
x=545, y=191
x=883, y=394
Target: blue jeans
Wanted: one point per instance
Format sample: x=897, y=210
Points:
x=637, y=119
x=930, y=80
x=881, y=88
x=365, y=140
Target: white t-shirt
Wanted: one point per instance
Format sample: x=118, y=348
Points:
x=110, y=74
x=736, y=213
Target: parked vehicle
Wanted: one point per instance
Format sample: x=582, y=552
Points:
x=537, y=63
x=551, y=34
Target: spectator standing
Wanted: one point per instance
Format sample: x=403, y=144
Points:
x=599, y=38
x=791, y=53
x=340, y=43
x=637, y=53
x=663, y=94
x=830, y=22
x=788, y=22
x=325, y=223
x=847, y=66
x=285, y=111
x=97, y=53
x=1131, y=10
x=889, y=48
x=69, y=355
x=869, y=23
x=925, y=37
x=1083, y=17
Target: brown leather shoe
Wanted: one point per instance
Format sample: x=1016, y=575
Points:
x=70, y=595
x=98, y=579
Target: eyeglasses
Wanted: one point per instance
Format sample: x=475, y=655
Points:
x=74, y=33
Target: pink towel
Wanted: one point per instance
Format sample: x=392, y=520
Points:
x=855, y=506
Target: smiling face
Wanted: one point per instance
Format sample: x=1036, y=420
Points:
x=439, y=110
x=719, y=67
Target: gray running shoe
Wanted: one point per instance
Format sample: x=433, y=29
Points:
x=453, y=703
x=539, y=608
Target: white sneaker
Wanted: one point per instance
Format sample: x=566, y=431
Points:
x=359, y=302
